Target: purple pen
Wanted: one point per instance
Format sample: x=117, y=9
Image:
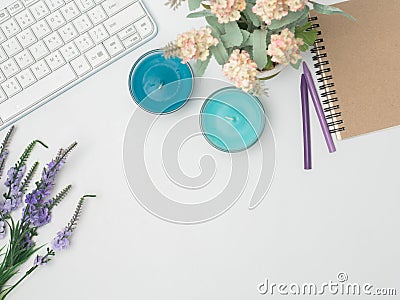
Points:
x=306, y=123
x=318, y=108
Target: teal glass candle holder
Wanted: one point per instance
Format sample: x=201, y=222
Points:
x=160, y=85
x=232, y=120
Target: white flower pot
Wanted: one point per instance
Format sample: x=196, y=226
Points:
x=265, y=75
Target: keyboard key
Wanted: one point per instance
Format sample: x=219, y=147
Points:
x=84, y=42
x=41, y=29
x=26, y=78
x=144, y=27
x=25, y=19
x=68, y=33
x=37, y=92
x=9, y=68
x=38, y=50
x=24, y=59
x=53, y=41
x=11, y=46
x=3, y=55
x=4, y=15
x=26, y=38
x=82, y=24
x=3, y=96
x=124, y=33
x=70, y=11
x=80, y=65
x=2, y=36
x=55, y=20
x=97, y=56
x=54, y=4
x=132, y=40
x=113, y=6
x=98, y=34
x=10, y=27
x=40, y=69
x=85, y=5
x=69, y=51
x=55, y=60
x=113, y=46
x=15, y=8
x=97, y=15
x=39, y=10
x=11, y=87
x=2, y=77
x=28, y=2
x=124, y=18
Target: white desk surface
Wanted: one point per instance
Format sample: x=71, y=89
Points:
x=341, y=216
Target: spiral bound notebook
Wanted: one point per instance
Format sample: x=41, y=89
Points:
x=358, y=66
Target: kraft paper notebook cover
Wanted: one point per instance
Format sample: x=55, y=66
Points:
x=358, y=66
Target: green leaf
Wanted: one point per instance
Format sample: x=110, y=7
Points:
x=199, y=14
x=233, y=36
x=201, y=66
x=213, y=22
x=248, y=12
x=330, y=10
x=303, y=27
x=247, y=38
x=270, y=64
x=194, y=4
x=249, y=49
x=307, y=35
x=219, y=53
x=303, y=48
x=297, y=64
x=291, y=17
x=302, y=21
x=260, y=48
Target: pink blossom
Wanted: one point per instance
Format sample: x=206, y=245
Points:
x=195, y=44
x=227, y=10
x=269, y=10
x=241, y=70
x=284, y=48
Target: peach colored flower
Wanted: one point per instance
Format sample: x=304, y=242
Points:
x=296, y=5
x=195, y=44
x=269, y=10
x=227, y=10
x=241, y=70
x=284, y=48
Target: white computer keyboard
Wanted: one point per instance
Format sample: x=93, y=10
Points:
x=47, y=46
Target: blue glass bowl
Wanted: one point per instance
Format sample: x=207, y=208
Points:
x=160, y=85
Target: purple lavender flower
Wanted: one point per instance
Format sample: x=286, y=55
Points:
x=3, y=157
x=27, y=241
x=2, y=229
x=13, y=199
x=37, y=211
x=41, y=260
x=38, y=215
x=14, y=176
x=61, y=241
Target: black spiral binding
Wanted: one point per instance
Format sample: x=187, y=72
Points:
x=328, y=93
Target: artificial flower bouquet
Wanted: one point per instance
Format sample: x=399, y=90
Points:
x=33, y=211
x=247, y=37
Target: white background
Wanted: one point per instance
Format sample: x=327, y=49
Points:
x=341, y=216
